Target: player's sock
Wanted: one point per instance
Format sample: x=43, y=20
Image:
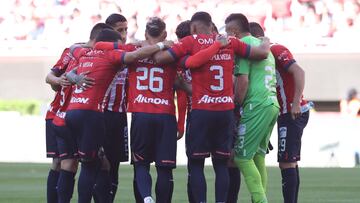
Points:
x=252, y=179
x=143, y=179
x=171, y=187
x=65, y=186
x=234, y=186
x=259, y=161
x=114, y=177
x=221, y=179
x=298, y=183
x=163, y=184
x=103, y=186
x=137, y=195
x=86, y=181
x=189, y=190
x=52, y=185
x=197, y=179
x=289, y=184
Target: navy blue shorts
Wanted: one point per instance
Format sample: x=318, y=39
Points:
x=88, y=128
x=210, y=132
x=51, y=144
x=66, y=143
x=153, y=138
x=289, y=136
x=116, y=144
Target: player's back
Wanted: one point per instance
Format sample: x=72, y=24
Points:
x=262, y=78
x=151, y=87
x=101, y=66
x=212, y=83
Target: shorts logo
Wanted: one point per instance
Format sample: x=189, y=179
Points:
x=141, y=99
x=282, y=138
x=206, y=99
x=242, y=129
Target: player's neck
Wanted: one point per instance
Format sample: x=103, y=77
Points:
x=152, y=41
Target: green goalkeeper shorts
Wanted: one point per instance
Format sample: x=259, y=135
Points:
x=254, y=131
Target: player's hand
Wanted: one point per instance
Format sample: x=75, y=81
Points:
x=63, y=81
x=224, y=40
x=180, y=135
x=85, y=82
x=295, y=111
x=168, y=43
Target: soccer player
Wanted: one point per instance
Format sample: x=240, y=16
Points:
x=211, y=119
x=293, y=118
x=55, y=80
x=116, y=137
x=84, y=114
x=255, y=90
x=66, y=143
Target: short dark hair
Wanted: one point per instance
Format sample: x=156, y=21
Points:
x=241, y=20
x=183, y=29
x=108, y=35
x=97, y=29
x=256, y=30
x=203, y=17
x=115, y=18
x=155, y=26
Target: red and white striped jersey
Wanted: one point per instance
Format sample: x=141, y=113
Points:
x=285, y=87
x=117, y=98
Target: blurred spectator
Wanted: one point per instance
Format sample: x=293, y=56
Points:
x=311, y=22
x=351, y=105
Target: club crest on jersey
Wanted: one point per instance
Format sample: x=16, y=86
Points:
x=206, y=99
x=142, y=99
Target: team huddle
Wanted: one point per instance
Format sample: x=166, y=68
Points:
x=231, y=90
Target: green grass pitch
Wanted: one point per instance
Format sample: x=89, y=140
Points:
x=26, y=183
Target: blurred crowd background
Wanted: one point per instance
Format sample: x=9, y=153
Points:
x=297, y=23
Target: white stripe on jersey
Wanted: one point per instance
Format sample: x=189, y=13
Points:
x=123, y=95
x=112, y=94
x=280, y=84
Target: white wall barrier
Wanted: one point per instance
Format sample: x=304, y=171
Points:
x=329, y=140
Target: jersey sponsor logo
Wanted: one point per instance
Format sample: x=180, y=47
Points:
x=205, y=41
x=221, y=57
x=86, y=64
x=142, y=99
x=206, y=99
x=80, y=100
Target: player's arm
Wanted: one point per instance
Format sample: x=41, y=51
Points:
x=175, y=52
x=181, y=105
x=203, y=56
x=143, y=52
x=241, y=87
x=56, y=81
x=252, y=52
x=82, y=80
x=299, y=83
x=242, y=70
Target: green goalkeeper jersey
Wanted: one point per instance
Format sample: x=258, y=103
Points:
x=262, y=78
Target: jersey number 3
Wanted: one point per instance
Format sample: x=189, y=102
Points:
x=149, y=74
x=219, y=77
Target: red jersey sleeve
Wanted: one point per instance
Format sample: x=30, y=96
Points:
x=114, y=45
x=283, y=57
x=240, y=48
x=203, y=56
x=61, y=65
x=116, y=56
x=181, y=105
x=182, y=48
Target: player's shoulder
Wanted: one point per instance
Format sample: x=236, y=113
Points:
x=278, y=48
